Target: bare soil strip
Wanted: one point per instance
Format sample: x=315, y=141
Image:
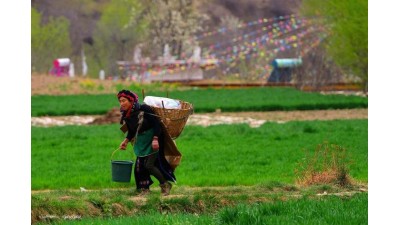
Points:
x=254, y=119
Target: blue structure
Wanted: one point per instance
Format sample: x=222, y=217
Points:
x=282, y=71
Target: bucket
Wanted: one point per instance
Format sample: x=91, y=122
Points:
x=121, y=170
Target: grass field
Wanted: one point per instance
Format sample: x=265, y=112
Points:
x=229, y=174
x=79, y=156
x=204, y=100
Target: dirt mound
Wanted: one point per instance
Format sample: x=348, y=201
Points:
x=112, y=116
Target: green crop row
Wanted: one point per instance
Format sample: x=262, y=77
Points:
x=80, y=156
x=204, y=100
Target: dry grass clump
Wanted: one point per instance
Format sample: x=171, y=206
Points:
x=328, y=165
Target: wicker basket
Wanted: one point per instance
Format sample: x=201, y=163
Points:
x=174, y=119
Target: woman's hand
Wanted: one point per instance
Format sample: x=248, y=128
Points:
x=154, y=144
x=123, y=144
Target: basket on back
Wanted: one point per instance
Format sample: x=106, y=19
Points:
x=174, y=119
x=173, y=115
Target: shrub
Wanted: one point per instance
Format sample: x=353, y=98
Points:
x=328, y=165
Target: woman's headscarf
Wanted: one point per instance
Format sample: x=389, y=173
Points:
x=133, y=98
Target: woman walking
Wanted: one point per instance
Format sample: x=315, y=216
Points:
x=144, y=131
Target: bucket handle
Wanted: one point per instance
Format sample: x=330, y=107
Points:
x=116, y=151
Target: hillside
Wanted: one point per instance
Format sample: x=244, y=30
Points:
x=248, y=10
x=84, y=14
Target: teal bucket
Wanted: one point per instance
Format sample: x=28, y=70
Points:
x=121, y=170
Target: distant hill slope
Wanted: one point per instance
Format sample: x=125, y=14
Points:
x=84, y=14
x=247, y=10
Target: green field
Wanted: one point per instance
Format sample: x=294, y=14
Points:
x=229, y=174
x=204, y=100
x=79, y=156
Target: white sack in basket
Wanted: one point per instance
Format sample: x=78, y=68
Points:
x=158, y=102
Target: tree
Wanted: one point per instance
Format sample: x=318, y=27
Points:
x=347, y=25
x=119, y=29
x=48, y=41
x=173, y=22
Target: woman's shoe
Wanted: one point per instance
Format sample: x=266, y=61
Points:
x=143, y=192
x=165, y=188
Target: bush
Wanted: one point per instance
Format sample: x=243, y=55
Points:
x=328, y=165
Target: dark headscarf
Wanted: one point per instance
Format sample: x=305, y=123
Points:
x=133, y=98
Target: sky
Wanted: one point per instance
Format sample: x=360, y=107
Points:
x=383, y=113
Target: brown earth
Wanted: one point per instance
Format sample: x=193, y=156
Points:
x=42, y=84
x=254, y=119
x=52, y=85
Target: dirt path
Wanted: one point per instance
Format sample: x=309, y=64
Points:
x=254, y=119
x=185, y=190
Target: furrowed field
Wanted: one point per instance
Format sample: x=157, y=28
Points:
x=229, y=174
